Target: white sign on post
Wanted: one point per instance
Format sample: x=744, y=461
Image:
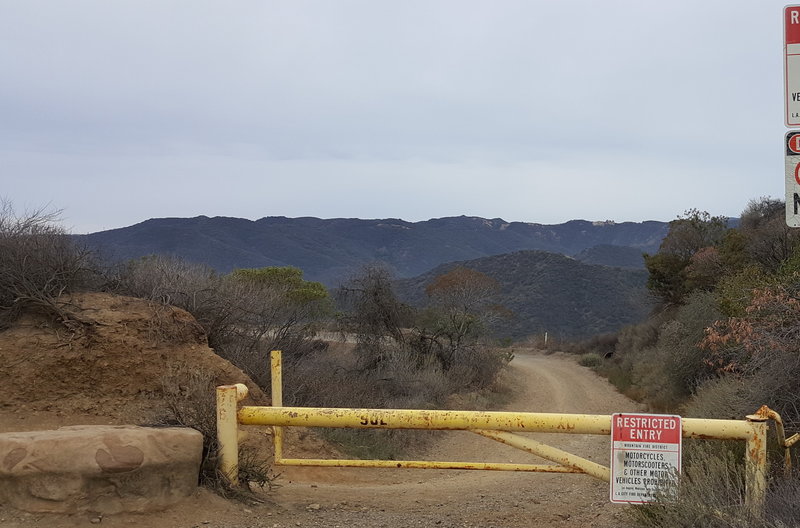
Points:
x=645, y=455
x=791, y=64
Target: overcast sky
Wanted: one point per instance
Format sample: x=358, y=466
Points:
x=536, y=111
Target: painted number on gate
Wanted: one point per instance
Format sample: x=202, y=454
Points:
x=372, y=419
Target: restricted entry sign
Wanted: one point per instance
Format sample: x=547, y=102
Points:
x=645, y=455
x=792, y=146
x=791, y=64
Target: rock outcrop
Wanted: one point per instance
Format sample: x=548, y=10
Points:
x=103, y=469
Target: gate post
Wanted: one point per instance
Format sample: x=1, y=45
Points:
x=228, y=397
x=756, y=462
x=276, y=368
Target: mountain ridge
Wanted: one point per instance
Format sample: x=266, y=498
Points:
x=330, y=250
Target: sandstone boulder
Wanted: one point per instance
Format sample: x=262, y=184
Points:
x=104, y=469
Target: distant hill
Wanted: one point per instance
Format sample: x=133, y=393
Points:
x=615, y=256
x=552, y=293
x=331, y=250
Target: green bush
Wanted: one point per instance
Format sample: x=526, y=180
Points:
x=590, y=360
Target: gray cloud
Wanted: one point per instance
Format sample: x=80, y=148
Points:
x=533, y=111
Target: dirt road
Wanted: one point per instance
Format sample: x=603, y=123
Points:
x=347, y=497
x=393, y=498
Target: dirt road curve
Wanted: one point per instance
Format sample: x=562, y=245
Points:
x=345, y=497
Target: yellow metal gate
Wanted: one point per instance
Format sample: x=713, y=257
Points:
x=499, y=426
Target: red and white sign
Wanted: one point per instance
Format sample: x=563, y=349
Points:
x=645, y=456
x=791, y=64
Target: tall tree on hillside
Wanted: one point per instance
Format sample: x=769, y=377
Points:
x=671, y=277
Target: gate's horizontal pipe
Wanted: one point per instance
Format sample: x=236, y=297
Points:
x=425, y=419
x=719, y=429
x=425, y=464
x=454, y=420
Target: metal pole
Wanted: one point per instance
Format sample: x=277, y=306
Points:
x=756, y=462
x=276, y=368
x=228, y=433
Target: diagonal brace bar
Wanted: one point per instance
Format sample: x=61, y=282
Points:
x=548, y=452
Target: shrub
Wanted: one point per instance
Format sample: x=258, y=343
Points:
x=724, y=398
x=189, y=398
x=762, y=348
x=38, y=263
x=245, y=315
x=668, y=372
x=735, y=292
x=710, y=494
x=602, y=344
x=590, y=360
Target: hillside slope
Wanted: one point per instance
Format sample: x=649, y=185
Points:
x=551, y=293
x=615, y=256
x=331, y=250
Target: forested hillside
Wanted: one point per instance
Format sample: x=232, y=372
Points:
x=545, y=292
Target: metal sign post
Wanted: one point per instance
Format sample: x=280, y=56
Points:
x=645, y=456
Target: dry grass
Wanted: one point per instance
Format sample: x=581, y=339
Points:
x=711, y=494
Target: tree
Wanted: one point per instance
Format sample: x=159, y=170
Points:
x=670, y=277
x=310, y=295
x=461, y=313
x=769, y=241
x=280, y=309
x=667, y=276
x=373, y=314
x=704, y=269
x=691, y=232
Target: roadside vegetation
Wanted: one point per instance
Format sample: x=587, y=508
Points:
x=723, y=340
x=383, y=352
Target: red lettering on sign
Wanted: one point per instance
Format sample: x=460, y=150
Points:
x=647, y=428
x=792, y=25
